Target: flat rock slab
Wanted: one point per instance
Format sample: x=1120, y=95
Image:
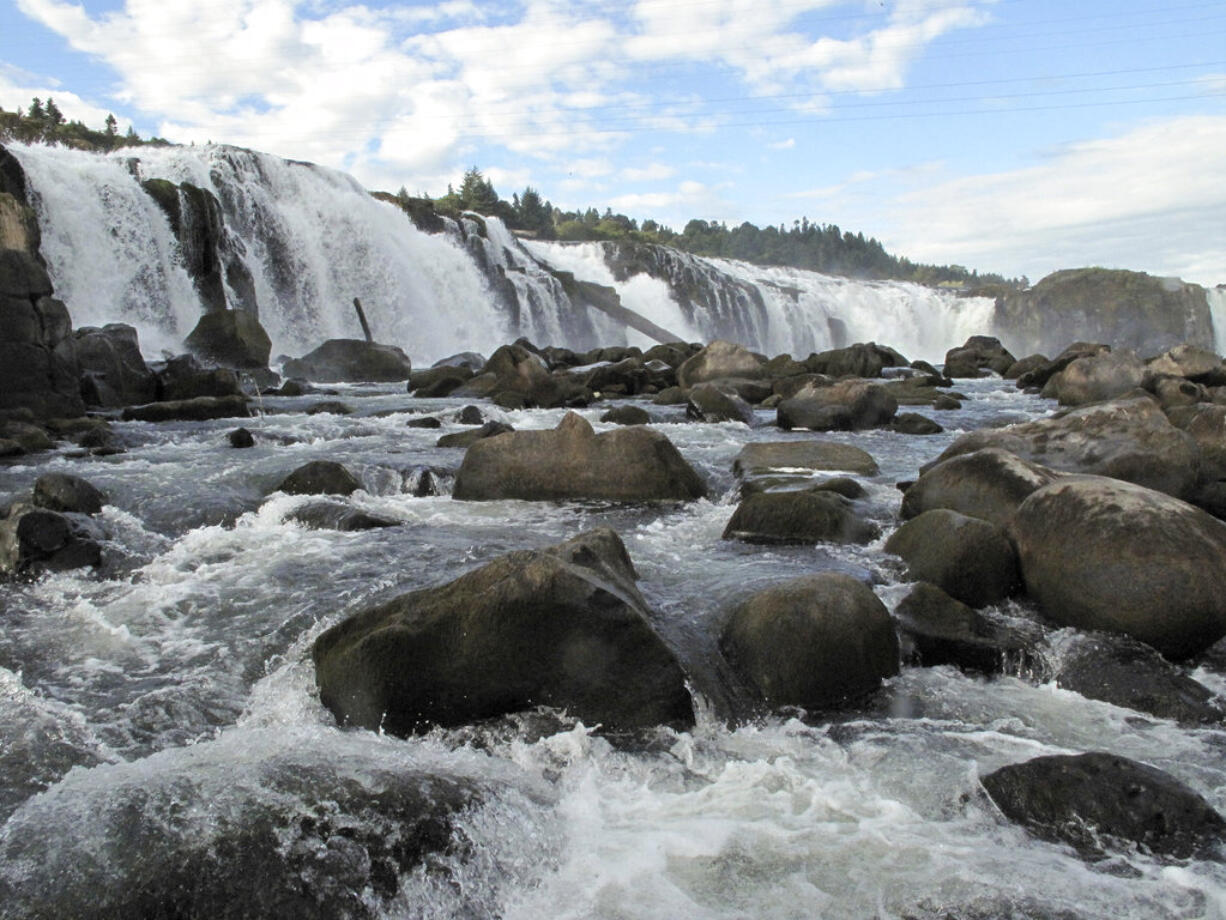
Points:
x=815, y=454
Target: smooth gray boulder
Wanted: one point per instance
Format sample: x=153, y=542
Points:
x=847, y=405
x=988, y=483
x=64, y=492
x=816, y=641
x=709, y=402
x=563, y=626
x=1103, y=554
x=719, y=359
x=1130, y=439
x=967, y=557
x=629, y=464
x=1098, y=378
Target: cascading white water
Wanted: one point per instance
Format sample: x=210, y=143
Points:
x=312, y=239
x=789, y=310
x=108, y=246
x=1217, y=315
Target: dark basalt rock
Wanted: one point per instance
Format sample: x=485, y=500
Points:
x=351, y=360
x=563, y=627
x=438, y=381
x=797, y=517
x=627, y=415
x=290, y=834
x=815, y=641
x=969, y=558
x=916, y=424
x=938, y=629
x=62, y=492
x=424, y=421
x=183, y=377
x=470, y=415
x=329, y=407
x=709, y=402
x=977, y=354
x=469, y=438
x=1127, y=673
x=230, y=338
x=859, y=360
x=240, y=438
x=35, y=540
x=1103, y=554
x=320, y=477
x=113, y=373
x=326, y=515
x=629, y=464
x=1086, y=800
x=200, y=409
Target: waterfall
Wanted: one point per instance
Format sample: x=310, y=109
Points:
x=299, y=242
x=1217, y=315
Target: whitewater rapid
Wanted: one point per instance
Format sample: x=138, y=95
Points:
x=163, y=700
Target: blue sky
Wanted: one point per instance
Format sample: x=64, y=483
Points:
x=1017, y=136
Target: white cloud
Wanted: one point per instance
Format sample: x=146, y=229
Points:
x=783, y=145
x=651, y=173
x=1151, y=199
x=18, y=88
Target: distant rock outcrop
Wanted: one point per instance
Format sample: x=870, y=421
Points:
x=1121, y=308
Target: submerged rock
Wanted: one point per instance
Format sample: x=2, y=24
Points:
x=63, y=492
x=563, y=626
x=627, y=415
x=468, y=438
x=798, y=517
x=1086, y=800
x=326, y=515
x=761, y=457
x=1103, y=554
x=938, y=629
x=320, y=477
x=573, y=462
x=814, y=642
x=200, y=409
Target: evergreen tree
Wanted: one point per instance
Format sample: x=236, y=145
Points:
x=36, y=110
x=54, y=115
x=112, y=126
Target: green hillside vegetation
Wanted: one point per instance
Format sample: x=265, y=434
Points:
x=816, y=247
x=44, y=123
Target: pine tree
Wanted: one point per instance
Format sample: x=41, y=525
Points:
x=54, y=115
x=36, y=110
x=112, y=126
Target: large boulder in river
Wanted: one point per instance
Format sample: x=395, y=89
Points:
x=969, y=558
x=847, y=405
x=113, y=372
x=989, y=484
x=815, y=641
x=709, y=402
x=39, y=370
x=940, y=630
x=798, y=517
x=718, y=360
x=864, y=359
x=1088, y=800
x=35, y=540
x=351, y=360
x=184, y=377
x=517, y=377
x=230, y=338
x=1102, y=554
x=563, y=626
x=200, y=409
x=1129, y=439
x=573, y=462
x=1121, y=308
x=1094, y=379
x=977, y=354
x=64, y=492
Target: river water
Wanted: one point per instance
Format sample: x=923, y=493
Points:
x=142, y=705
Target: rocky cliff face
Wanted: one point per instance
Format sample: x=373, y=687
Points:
x=1120, y=308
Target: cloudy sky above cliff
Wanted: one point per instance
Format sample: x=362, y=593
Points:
x=1017, y=136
